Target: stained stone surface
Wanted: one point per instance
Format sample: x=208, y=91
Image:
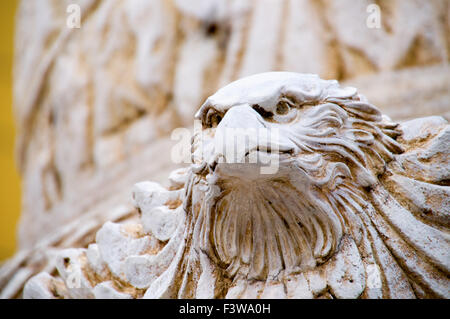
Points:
x=358, y=207
x=95, y=106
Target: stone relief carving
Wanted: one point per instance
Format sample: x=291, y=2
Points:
x=88, y=100
x=95, y=105
x=358, y=207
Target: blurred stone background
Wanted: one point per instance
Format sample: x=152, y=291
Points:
x=95, y=105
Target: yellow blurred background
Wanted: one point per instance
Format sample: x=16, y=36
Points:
x=9, y=181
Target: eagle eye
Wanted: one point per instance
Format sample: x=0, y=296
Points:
x=213, y=118
x=282, y=108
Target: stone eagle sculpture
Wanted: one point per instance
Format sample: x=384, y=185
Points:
x=358, y=207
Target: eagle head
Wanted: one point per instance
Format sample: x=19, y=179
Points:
x=280, y=162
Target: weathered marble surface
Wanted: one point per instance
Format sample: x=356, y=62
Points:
x=359, y=207
x=95, y=105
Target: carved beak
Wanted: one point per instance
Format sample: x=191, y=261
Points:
x=244, y=140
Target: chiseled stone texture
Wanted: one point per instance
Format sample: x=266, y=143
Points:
x=357, y=208
x=95, y=105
